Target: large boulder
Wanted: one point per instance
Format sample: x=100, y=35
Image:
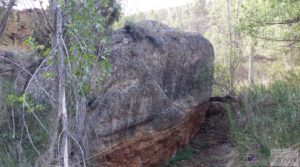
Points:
x=155, y=99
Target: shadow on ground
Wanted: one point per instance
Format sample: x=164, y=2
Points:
x=211, y=147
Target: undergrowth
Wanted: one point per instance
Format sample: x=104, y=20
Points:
x=15, y=144
x=269, y=119
x=182, y=154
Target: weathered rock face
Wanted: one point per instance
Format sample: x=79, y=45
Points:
x=20, y=25
x=155, y=99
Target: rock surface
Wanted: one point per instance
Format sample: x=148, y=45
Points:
x=155, y=100
x=20, y=25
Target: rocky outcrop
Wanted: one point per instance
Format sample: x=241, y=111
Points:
x=155, y=99
x=152, y=104
x=18, y=28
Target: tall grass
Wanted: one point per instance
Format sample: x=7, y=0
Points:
x=15, y=146
x=269, y=118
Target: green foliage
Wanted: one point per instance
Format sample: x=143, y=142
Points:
x=86, y=29
x=46, y=52
x=10, y=135
x=227, y=53
x=271, y=119
x=233, y=127
x=38, y=49
x=49, y=75
x=188, y=17
x=30, y=42
x=260, y=16
x=204, y=78
x=289, y=75
x=35, y=46
x=182, y=154
x=275, y=25
x=88, y=45
x=7, y=160
x=84, y=20
x=19, y=100
x=221, y=78
x=260, y=24
x=12, y=99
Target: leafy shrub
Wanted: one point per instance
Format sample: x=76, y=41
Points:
x=13, y=136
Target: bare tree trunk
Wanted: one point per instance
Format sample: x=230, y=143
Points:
x=1, y=102
x=236, y=33
x=6, y=15
x=231, y=65
x=53, y=10
x=79, y=131
x=237, y=9
x=62, y=106
x=1, y=94
x=250, y=70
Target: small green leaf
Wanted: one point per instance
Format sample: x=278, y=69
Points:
x=86, y=57
x=50, y=61
x=46, y=52
x=21, y=98
x=48, y=75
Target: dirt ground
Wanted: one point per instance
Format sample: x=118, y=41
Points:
x=211, y=147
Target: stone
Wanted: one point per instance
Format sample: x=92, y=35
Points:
x=156, y=98
x=152, y=104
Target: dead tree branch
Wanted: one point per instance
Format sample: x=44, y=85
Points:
x=6, y=15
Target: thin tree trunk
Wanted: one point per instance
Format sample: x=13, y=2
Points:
x=237, y=9
x=1, y=102
x=79, y=129
x=250, y=70
x=53, y=10
x=231, y=68
x=6, y=15
x=236, y=33
x=1, y=94
x=62, y=108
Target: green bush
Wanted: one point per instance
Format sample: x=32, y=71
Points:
x=271, y=117
x=14, y=138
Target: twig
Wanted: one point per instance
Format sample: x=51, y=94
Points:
x=28, y=134
x=81, y=150
x=25, y=104
x=29, y=73
x=26, y=89
x=58, y=142
x=13, y=121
